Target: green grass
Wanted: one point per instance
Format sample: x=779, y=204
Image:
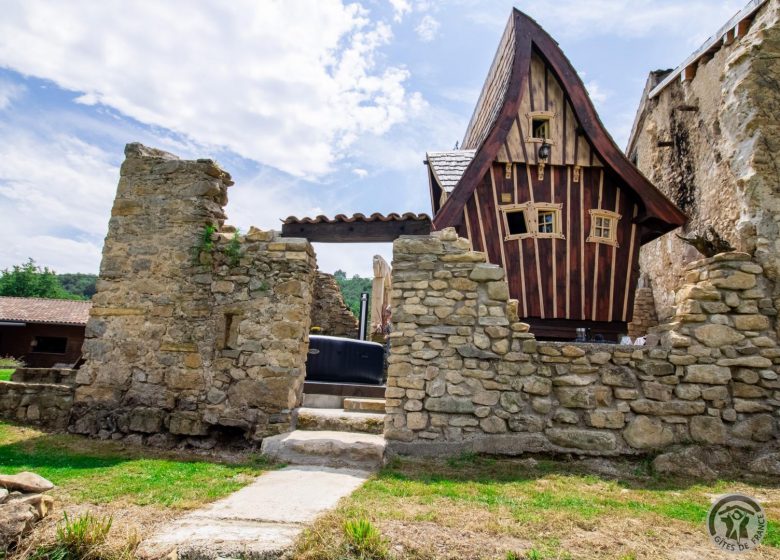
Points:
x=544, y=504
x=102, y=472
x=5, y=374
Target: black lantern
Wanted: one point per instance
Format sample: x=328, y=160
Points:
x=544, y=151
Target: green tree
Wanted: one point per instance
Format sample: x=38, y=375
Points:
x=79, y=284
x=30, y=280
x=351, y=288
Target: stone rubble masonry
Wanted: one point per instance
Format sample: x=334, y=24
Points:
x=466, y=375
x=328, y=310
x=42, y=404
x=191, y=336
x=722, y=166
x=644, y=316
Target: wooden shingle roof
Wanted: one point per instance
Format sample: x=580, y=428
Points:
x=448, y=167
x=49, y=311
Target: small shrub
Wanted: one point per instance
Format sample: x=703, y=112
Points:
x=364, y=540
x=205, y=241
x=81, y=539
x=233, y=249
x=11, y=363
x=512, y=556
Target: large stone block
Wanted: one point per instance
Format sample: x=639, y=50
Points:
x=715, y=335
x=584, y=397
x=576, y=438
x=707, y=373
x=453, y=405
x=646, y=432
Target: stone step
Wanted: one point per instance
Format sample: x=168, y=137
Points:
x=353, y=404
x=326, y=448
x=338, y=420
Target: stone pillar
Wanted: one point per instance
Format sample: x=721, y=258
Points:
x=188, y=332
x=644, y=316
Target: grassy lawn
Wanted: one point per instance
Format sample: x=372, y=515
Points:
x=104, y=472
x=138, y=487
x=507, y=509
x=5, y=374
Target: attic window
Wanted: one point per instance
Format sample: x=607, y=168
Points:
x=603, y=227
x=540, y=128
x=540, y=125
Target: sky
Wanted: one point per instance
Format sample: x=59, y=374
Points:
x=314, y=106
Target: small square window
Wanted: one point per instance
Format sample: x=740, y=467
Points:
x=516, y=224
x=603, y=227
x=540, y=128
x=546, y=221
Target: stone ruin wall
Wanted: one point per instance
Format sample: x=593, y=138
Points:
x=328, y=310
x=723, y=168
x=466, y=375
x=190, y=334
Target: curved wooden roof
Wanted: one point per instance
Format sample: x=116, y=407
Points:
x=498, y=105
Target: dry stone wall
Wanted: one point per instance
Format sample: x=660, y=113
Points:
x=41, y=404
x=712, y=145
x=465, y=375
x=329, y=313
x=191, y=333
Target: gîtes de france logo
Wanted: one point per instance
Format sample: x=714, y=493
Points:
x=736, y=523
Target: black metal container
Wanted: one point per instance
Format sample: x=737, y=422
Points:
x=343, y=360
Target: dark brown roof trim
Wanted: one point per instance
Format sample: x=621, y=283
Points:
x=658, y=210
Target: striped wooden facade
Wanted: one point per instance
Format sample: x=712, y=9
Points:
x=564, y=281
x=560, y=279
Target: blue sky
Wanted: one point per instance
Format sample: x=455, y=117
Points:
x=317, y=106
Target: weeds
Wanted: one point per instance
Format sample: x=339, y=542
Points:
x=84, y=538
x=10, y=363
x=205, y=241
x=233, y=249
x=364, y=540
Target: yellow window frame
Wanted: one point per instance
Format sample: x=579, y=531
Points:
x=603, y=227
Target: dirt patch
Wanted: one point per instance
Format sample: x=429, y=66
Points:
x=130, y=524
x=426, y=540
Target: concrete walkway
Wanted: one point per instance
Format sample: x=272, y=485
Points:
x=260, y=521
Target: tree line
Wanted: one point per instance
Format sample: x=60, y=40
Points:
x=31, y=280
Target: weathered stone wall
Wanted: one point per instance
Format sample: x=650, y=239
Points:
x=723, y=165
x=42, y=404
x=465, y=374
x=328, y=310
x=190, y=333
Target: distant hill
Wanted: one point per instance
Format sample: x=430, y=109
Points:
x=79, y=284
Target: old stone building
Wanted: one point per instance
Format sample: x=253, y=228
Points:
x=707, y=134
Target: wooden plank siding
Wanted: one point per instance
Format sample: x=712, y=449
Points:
x=570, y=278
x=543, y=92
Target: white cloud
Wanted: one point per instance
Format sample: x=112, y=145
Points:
x=624, y=18
x=56, y=195
x=427, y=28
x=362, y=173
x=597, y=93
x=400, y=8
x=289, y=84
x=9, y=92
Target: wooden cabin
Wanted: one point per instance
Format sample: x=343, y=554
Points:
x=541, y=187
